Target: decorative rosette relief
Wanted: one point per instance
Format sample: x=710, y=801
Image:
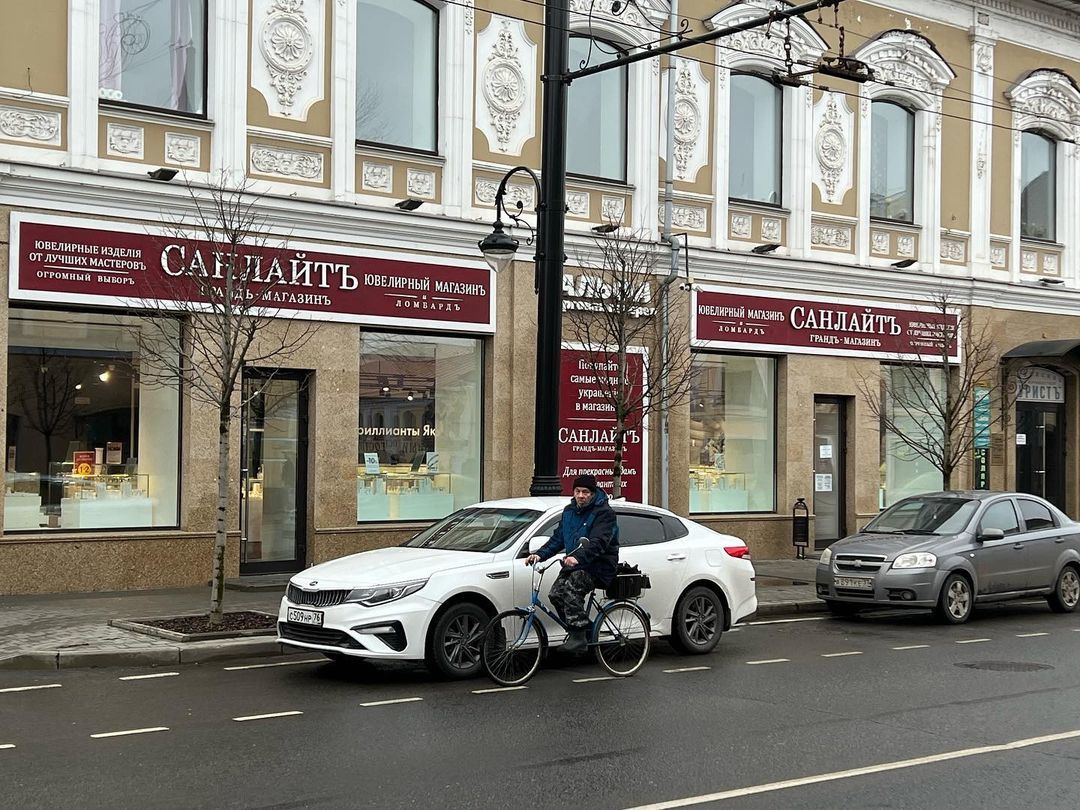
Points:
x=288, y=55
x=505, y=80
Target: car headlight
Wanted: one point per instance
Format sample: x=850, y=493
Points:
x=381, y=594
x=826, y=557
x=916, y=559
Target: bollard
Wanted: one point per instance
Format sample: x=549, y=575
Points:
x=800, y=528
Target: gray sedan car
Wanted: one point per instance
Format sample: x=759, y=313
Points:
x=949, y=550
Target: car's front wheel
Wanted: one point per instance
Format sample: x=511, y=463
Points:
x=454, y=651
x=956, y=601
x=698, y=621
x=1066, y=593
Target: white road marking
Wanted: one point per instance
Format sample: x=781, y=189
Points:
x=29, y=688
x=864, y=771
x=770, y=661
x=913, y=647
x=1076, y=629
x=791, y=621
x=840, y=654
x=145, y=677
x=498, y=689
x=686, y=669
x=388, y=702
x=597, y=678
x=265, y=716
x=127, y=732
x=1030, y=635
x=973, y=640
x=7, y=745
x=278, y=664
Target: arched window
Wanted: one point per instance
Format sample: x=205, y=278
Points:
x=596, y=114
x=892, y=162
x=1038, y=186
x=397, y=57
x=755, y=160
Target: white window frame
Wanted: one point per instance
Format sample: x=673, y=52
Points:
x=1048, y=101
x=753, y=52
x=911, y=157
x=918, y=76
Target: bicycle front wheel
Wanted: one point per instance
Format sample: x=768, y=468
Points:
x=621, y=636
x=512, y=647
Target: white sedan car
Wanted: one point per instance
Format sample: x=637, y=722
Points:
x=430, y=599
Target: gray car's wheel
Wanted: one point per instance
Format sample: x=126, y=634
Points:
x=956, y=601
x=698, y=621
x=1066, y=593
x=454, y=651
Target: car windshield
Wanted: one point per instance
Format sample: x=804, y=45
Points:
x=482, y=530
x=924, y=516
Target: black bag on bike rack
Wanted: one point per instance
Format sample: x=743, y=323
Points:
x=628, y=583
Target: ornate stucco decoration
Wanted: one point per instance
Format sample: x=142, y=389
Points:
x=287, y=163
x=420, y=183
x=612, y=209
x=289, y=39
x=984, y=58
x=834, y=126
x=998, y=254
x=20, y=124
x=504, y=96
x=628, y=25
x=770, y=229
x=907, y=64
x=691, y=130
x=880, y=242
x=830, y=236
x=485, y=190
x=577, y=203
x=1049, y=100
x=470, y=16
x=123, y=140
x=182, y=149
x=952, y=250
x=760, y=44
x=377, y=177
x=740, y=225
x=905, y=246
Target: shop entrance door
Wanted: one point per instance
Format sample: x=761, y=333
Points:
x=830, y=497
x=273, y=471
x=1040, y=450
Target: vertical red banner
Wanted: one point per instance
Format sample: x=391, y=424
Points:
x=587, y=423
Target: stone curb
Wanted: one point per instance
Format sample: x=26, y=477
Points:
x=147, y=656
x=784, y=608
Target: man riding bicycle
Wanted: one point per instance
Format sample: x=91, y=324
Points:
x=587, y=566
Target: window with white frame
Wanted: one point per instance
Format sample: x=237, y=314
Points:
x=397, y=85
x=152, y=53
x=596, y=113
x=1038, y=186
x=755, y=152
x=892, y=162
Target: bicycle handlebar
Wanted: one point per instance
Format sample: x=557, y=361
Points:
x=582, y=542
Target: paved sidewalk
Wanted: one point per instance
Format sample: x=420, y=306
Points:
x=72, y=630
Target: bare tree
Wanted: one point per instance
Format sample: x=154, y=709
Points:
x=620, y=311
x=929, y=404
x=43, y=389
x=223, y=278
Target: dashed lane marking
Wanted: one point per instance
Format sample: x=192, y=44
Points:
x=146, y=677
x=128, y=732
x=498, y=689
x=865, y=771
x=770, y=661
x=7, y=745
x=790, y=621
x=266, y=716
x=389, y=702
x=841, y=654
x=686, y=669
x=597, y=678
x=277, y=664
x=973, y=640
x=913, y=647
x=1030, y=635
x=31, y=688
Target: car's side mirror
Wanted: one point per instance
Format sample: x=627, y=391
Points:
x=991, y=534
x=536, y=543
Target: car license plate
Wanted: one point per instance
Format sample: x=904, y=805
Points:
x=857, y=583
x=305, y=616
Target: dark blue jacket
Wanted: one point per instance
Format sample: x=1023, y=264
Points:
x=596, y=520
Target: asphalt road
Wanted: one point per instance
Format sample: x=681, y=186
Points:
x=890, y=711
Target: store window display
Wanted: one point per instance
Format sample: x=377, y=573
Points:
x=92, y=434
x=732, y=434
x=419, y=444
x=909, y=395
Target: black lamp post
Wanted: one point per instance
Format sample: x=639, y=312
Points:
x=499, y=247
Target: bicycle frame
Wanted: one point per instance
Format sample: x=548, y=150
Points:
x=593, y=606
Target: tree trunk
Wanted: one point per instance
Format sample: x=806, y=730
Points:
x=620, y=439
x=217, y=587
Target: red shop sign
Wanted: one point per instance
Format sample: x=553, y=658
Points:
x=819, y=325
x=55, y=259
x=587, y=425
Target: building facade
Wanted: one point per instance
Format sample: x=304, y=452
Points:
x=955, y=165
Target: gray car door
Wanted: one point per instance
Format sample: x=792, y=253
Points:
x=1041, y=541
x=998, y=563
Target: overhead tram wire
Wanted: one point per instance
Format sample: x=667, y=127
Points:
x=823, y=87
